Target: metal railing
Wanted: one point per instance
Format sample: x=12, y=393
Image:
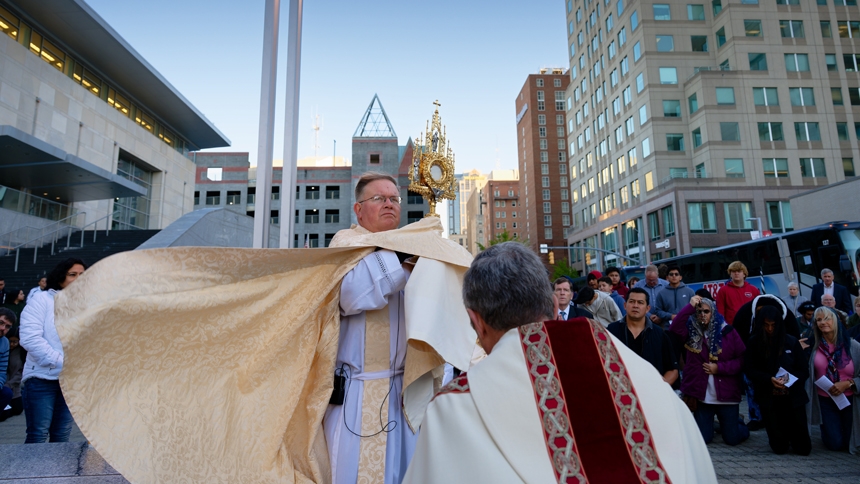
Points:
x=107, y=218
x=8, y=240
x=39, y=241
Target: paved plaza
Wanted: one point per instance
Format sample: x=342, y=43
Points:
x=750, y=462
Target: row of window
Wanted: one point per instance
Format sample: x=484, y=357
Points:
x=702, y=217
x=48, y=51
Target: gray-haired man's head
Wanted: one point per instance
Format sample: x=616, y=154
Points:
x=508, y=286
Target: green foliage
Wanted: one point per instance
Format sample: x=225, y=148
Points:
x=561, y=268
x=505, y=236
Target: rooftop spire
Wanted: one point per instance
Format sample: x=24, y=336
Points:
x=375, y=123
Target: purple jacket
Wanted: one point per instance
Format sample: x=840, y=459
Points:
x=729, y=365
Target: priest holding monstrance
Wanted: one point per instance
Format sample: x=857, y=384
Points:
x=245, y=365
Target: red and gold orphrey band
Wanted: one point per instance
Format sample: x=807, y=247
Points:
x=549, y=396
x=589, y=365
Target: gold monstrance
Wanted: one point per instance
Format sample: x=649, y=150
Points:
x=432, y=174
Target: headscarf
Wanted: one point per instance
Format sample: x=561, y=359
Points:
x=697, y=332
x=764, y=347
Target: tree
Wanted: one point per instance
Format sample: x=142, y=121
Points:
x=562, y=268
x=505, y=236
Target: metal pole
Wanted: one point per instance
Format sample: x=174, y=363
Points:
x=266, y=135
x=291, y=123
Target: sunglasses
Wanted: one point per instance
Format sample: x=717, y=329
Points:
x=703, y=311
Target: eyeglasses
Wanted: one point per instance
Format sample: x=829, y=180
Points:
x=703, y=311
x=381, y=199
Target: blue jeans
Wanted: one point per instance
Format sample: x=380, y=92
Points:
x=46, y=411
x=734, y=431
x=835, y=423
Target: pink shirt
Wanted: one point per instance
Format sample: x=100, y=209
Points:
x=820, y=363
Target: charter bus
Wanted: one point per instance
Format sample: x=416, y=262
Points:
x=776, y=260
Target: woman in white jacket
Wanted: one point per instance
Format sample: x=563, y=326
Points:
x=44, y=406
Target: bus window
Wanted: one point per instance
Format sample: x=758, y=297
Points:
x=806, y=272
x=851, y=242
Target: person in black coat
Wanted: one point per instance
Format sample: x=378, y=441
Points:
x=745, y=317
x=840, y=292
x=783, y=407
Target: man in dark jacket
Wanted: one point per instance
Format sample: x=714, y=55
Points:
x=645, y=338
x=673, y=297
x=838, y=291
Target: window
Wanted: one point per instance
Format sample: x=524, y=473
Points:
x=646, y=147
x=830, y=61
x=801, y=96
x=791, y=28
x=779, y=217
x=737, y=215
x=332, y=216
x=826, y=31
x=765, y=96
x=842, y=131
x=812, y=168
x=649, y=181
x=699, y=42
x=622, y=37
x=851, y=62
x=662, y=12
x=374, y=158
x=668, y=220
x=854, y=96
x=848, y=30
x=643, y=114
x=544, y=181
x=702, y=217
x=672, y=108
x=725, y=95
x=640, y=82
x=631, y=157
x=788, y=2
x=717, y=6
x=752, y=28
x=627, y=95
x=758, y=61
x=196, y=198
x=613, y=77
x=695, y=12
x=836, y=96
x=547, y=233
x=770, y=132
x=547, y=221
x=213, y=198
x=312, y=192
x=332, y=193
x=413, y=216
x=628, y=126
x=807, y=132
x=312, y=216
x=730, y=132
x=547, y=207
x=675, y=142
x=654, y=226
x=634, y=20
x=545, y=194
x=775, y=167
x=625, y=66
x=668, y=75
x=848, y=166
x=665, y=43
x=796, y=62
x=734, y=167
x=413, y=198
x=693, y=103
x=697, y=137
x=721, y=37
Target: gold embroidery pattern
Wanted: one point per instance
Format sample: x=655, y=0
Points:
x=555, y=419
x=637, y=436
x=377, y=355
x=457, y=385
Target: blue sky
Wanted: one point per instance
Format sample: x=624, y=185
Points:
x=471, y=55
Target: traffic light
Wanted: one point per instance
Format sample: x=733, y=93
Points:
x=551, y=258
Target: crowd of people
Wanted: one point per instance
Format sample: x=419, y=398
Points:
x=31, y=356
x=796, y=359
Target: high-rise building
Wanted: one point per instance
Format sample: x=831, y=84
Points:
x=501, y=211
x=542, y=153
x=691, y=123
x=469, y=182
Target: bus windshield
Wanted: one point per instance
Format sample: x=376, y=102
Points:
x=851, y=242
